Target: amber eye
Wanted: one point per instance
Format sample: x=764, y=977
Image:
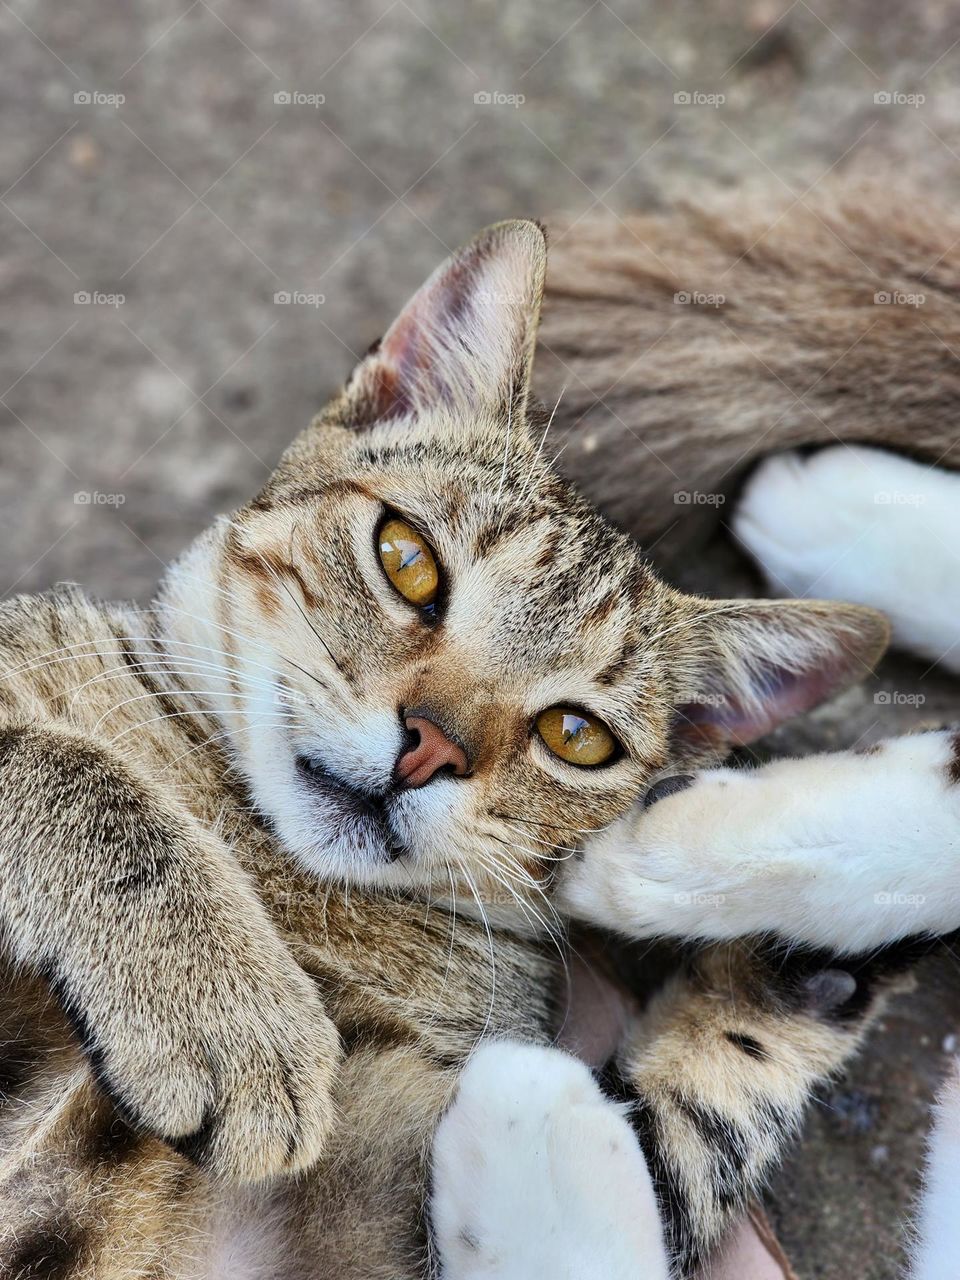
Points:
x=575, y=736
x=408, y=562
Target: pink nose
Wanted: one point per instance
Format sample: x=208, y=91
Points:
x=431, y=752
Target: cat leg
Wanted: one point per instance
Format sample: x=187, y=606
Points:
x=536, y=1173
x=860, y=524
x=937, y=1250
x=198, y=1022
x=720, y=1068
x=847, y=850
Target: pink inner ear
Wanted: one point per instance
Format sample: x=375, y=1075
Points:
x=408, y=366
x=463, y=337
x=384, y=394
x=725, y=719
x=399, y=371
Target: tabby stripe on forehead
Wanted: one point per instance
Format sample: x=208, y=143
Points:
x=492, y=535
x=618, y=666
x=548, y=553
x=601, y=611
x=568, y=585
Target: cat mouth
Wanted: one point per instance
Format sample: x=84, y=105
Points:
x=350, y=812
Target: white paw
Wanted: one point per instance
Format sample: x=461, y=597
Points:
x=846, y=850
x=665, y=871
x=937, y=1235
x=536, y=1174
x=859, y=524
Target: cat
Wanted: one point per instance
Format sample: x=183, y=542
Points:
x=416, y=664
x=842, y=852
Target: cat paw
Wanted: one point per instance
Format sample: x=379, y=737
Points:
x=675, y=864
x=536, y=1173
x=237, y=1077
x=859, y=524
x=651, y=873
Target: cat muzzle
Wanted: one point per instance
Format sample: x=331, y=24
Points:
x=351, y=808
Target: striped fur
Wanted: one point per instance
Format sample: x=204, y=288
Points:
x=185, y=994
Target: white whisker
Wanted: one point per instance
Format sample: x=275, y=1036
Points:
x=471, y=885
x=532, y=471
x=163, y=666
x=214, y=740
x=180, y=715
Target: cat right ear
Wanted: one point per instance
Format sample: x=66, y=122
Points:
x=753, y=664
x=465, y=340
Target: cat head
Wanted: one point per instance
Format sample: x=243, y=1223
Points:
x=443, y=668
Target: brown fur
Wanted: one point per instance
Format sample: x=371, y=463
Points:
x=265, y=1023
x=798, y=353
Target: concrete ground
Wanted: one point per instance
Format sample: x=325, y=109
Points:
x=221, y=179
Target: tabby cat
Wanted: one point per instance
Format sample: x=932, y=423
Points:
x=241, y=830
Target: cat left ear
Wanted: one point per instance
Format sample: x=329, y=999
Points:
x=760, y=662
x=466, y=338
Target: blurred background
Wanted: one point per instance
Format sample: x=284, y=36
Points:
x=209, y=209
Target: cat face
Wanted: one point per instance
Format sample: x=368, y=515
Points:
x=449, y=670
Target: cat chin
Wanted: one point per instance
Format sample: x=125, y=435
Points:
x=328, y=837
x=326, y=830
x=339, y=851
x=415, y=844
